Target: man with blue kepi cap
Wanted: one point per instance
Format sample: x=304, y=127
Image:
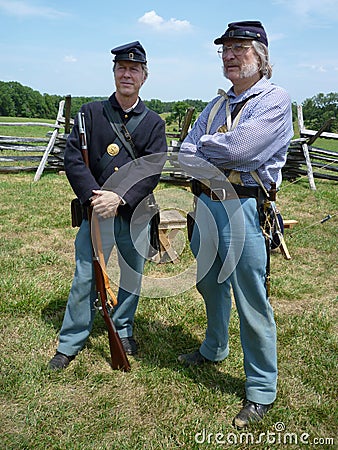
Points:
x=124, y=169
x=235, y=152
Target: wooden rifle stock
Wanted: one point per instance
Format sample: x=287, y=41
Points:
x=119, y=358
x=118, y=355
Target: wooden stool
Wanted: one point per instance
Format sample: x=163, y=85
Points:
x=171, y=222
x=289, y=223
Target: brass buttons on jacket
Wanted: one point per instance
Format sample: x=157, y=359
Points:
x=113, y=149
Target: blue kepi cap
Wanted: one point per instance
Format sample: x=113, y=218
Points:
x=130, y=52
x=249, y=29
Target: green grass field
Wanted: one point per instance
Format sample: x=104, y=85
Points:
x=159, y=404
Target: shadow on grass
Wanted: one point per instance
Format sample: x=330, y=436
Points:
x=53, y=312
x=159, y=345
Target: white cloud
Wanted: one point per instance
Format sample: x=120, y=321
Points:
x=21, y=8
x=153, y=20
x=273, y=37
x=314, y=67
x=70, y=59
x=311, y=8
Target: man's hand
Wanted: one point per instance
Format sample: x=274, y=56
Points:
x=105, y=203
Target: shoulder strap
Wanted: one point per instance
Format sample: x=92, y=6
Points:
x=115, y=122
x=238, y=108
x=123, y=139
x=258, y=180
x=215, y=108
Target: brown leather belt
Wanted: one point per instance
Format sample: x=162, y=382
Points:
x=219, y=194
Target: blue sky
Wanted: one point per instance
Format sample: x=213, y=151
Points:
x=63, y=47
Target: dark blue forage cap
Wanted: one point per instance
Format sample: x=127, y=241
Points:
x=130, y=52
x=248, y=29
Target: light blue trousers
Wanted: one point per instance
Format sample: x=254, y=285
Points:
x=230, y=251
x=80, y=310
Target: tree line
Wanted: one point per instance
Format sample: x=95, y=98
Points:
x=319, y=109
x=17, y=100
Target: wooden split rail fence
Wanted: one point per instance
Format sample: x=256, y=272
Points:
x=172, y=171
x=48, y=152
x=303, y=159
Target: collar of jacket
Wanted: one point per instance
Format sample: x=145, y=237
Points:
x=137, y=110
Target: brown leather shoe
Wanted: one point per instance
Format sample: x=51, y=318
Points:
x=251, y=412
x=60, y=361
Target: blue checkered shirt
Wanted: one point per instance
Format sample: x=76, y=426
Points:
x=259, y=142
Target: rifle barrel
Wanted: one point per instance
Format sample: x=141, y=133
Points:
x=83, y=138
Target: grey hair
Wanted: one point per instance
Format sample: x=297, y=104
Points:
x=263, y=55
x=144, y=68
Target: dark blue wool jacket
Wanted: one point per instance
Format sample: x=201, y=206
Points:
x=133, y=181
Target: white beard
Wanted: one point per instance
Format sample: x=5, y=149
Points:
x=248, y=70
